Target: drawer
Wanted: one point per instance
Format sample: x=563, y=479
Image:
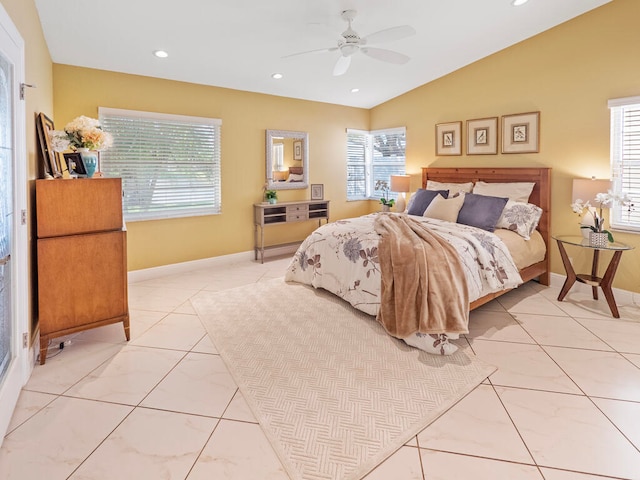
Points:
x=295, y=209
x=296, y=217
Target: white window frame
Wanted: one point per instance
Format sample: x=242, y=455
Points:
x=370, y=165
x=625, y=162
x=181, y=194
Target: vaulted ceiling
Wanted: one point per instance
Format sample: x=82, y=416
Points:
x=239, y=44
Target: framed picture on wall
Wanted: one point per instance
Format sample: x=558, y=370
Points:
x=449, y=138
x=482, y=136
x=521, y=133
x=297, y=150
x=317, y=191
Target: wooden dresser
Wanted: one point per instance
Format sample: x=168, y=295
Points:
x=266, y=214
x=82, y=257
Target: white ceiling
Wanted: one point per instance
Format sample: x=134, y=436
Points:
x=239, y=43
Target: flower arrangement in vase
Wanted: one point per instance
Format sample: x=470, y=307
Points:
x=386, y=202
x=83, y=135
x=603, y=200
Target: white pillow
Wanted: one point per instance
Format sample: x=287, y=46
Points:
x=445, y=208
x=454, y=188
x=521, y=218
x=518, y=192
x=295, y=178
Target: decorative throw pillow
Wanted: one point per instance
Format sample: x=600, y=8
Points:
x=516, y=191
x=445, y=208
x=481, y=211
x=454, y=188
x=521, y=218
x=293, y=177
x=422, y=198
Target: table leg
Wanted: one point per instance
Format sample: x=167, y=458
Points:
x=607, y=280
x=571, y=274
x=594, y=272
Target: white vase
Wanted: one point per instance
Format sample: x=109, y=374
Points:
x=587, y=221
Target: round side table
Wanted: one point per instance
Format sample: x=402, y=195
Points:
x=592, y=280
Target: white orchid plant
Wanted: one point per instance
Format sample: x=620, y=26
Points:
x=384, y=186
x=603, y=200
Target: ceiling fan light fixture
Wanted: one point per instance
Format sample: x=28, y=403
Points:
x=277, y=76
x=355, y=90
x=161, y=54
x=517, y=3
x=348, y=49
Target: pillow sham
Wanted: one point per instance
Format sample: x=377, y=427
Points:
x=521, y=218
x=445, y=208
x=481, y=211
x=421, y=200
x=516, y=191
x=454, y=188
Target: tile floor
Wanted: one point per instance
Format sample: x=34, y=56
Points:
x=563, y=405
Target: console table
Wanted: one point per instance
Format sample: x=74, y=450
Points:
x=266, y=214
x=592, y=280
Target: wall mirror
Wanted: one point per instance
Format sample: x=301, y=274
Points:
x=287, y=160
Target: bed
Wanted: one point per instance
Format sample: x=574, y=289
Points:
x=346, y=257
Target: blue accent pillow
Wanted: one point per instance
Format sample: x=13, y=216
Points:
x=481, y=211
x=421, y=200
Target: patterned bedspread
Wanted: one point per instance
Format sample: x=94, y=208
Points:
x=342, y=257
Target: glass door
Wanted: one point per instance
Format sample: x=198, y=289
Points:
x=14, y=367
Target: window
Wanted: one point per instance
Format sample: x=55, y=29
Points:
x=373, y=156
x=625, y=161
x=169, y=164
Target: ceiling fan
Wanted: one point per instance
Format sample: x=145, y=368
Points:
x=351, y=43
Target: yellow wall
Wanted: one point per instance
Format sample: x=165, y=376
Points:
x=568, y=74
x=245, y=117
x=38, y=71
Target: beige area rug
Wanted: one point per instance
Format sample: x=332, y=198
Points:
x=334, y=394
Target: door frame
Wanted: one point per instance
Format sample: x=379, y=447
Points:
x=19, y=368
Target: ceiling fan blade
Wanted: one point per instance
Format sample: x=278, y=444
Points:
x=342, y=65
x=388, y=35
x=320, y=50
x=385, y=55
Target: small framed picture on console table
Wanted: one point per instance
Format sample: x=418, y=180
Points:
x=317, y=191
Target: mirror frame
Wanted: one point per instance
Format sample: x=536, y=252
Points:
x=304, y=136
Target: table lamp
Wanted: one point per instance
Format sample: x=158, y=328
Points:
x=400, y=184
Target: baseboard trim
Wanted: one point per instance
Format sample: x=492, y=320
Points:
x=184, y=267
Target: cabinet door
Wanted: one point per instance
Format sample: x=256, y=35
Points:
x=82, y=279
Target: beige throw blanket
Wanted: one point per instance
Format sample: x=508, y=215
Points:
x=424, y=288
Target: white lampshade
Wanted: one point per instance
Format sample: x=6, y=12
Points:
x=401, y=184
x=586, y=189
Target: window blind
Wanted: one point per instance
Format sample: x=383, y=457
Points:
x=373, y=156
x=625, y=161
x=169, y=164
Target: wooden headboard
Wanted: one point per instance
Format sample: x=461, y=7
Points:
x=540, y=196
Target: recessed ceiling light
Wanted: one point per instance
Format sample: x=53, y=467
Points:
x=161, y=54
x=517, y=3
x=277, y=76
x=355, y=90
